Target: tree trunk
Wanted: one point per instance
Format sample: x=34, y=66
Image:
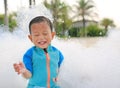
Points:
x=6, y=13
x=30, y=3
x=85, y=31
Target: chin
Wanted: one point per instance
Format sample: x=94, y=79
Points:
x=43, y=47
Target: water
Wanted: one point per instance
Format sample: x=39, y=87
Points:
x=89, y=62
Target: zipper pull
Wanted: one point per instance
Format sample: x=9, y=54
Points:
x=45, y=50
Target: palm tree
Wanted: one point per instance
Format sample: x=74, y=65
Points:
x=65, y=21
x=30, y=3
x=84, y=9
x=55, y=10
x=48, y=5
x=60, y=14
x=106, y=22
x=54, y=7
x=6, y=13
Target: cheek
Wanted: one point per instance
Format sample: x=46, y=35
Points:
x=50, y=37
x=34, y=39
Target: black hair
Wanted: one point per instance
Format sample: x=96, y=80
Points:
x=39, y=19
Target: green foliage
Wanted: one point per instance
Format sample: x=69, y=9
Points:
x=58, y=31
x=82, y=32
x=12, y=20
x=62, y=21
x=84, y=10
x=94, y=30
x=74, y=32
x=59, y=10
x=106, y=22
x=1, y=19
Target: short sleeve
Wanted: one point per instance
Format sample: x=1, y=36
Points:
x=61, y=58
x=27, y=59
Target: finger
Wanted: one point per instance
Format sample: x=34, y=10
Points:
x=21, y=65
x=14, y=65
x=17, y=69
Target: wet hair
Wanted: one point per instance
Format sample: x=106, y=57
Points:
x=40, y=19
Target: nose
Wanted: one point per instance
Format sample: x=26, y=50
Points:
x=41, y=37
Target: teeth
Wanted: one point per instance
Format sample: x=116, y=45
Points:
x=43, y=42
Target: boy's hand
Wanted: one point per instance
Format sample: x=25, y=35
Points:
x=19, y=68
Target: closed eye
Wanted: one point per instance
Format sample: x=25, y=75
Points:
x=45, y=33
x=35, y=34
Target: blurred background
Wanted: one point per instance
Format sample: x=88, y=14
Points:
x=87, y=32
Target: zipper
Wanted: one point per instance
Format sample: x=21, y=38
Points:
x=48, y=68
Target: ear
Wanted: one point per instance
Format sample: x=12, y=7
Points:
x=53, y=34
x=30, y=37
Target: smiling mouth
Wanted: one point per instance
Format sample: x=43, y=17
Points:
x=42, y=42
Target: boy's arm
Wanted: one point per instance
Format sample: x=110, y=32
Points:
x=27, y=60
x=26, y=74
x=61, y=58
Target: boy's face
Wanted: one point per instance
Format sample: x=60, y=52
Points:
x=41, y=34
